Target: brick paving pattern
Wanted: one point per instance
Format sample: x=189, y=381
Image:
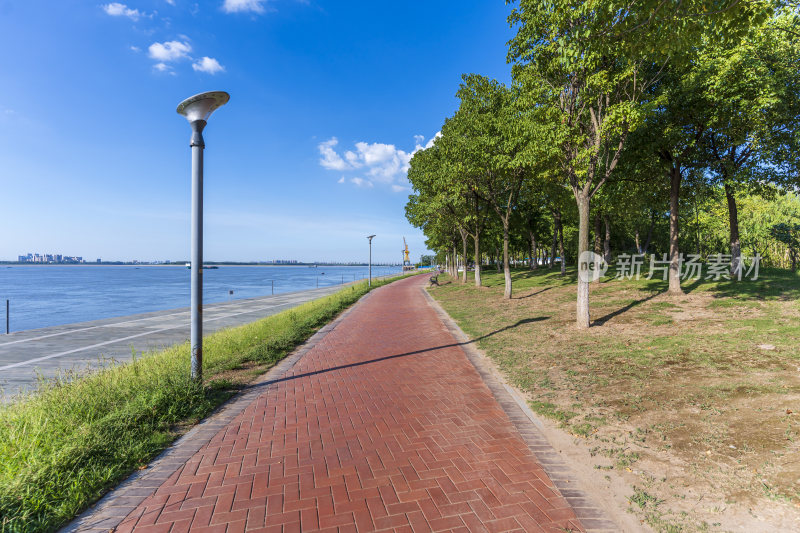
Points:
x=382, y=425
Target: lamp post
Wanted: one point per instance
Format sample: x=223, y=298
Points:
x=369, y=283
x=196, y=110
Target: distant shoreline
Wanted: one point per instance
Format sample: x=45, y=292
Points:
x=183, y=264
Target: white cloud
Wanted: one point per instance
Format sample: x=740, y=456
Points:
x=178, y=50
x=208, y=65
x=169, y=51
x=171, y=2
x=428, y=144
x=341, y=180
x=115, y=9
x=135, y=49
x=330, y=159
x=352, y=159
x=383, y=163
x=243, y=6
x=376, y=153
x=360, y=182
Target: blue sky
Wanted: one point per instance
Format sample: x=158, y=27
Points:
x=328, y=101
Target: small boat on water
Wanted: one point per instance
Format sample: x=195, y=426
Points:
x=205, y=267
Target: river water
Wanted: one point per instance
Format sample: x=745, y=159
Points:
x=51, y=295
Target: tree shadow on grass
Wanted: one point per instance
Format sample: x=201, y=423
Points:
x=533, y=294
x=691, y=287
x=388, y=357
x=602, y=320
x=545, y=275
x=772, y=284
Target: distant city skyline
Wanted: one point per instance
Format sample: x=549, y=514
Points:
x=36, y=258
x=50, y=258
x=329, y=101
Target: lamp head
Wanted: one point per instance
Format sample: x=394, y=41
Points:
x=200, y=106
x=370, y=237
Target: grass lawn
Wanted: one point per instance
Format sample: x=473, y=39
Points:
x=64, y=446
x=693, y=399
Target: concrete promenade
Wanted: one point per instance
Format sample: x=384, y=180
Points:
x=84, y=345
x=383, y=421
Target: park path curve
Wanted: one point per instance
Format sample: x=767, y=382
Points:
x=383, y=424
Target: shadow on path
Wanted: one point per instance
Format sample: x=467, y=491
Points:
x=379, y=359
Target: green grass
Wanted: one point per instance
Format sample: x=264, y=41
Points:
x=551, y=411
x=65, y=445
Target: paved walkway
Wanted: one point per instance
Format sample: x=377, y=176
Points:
x=383, y=424
x=47, y=351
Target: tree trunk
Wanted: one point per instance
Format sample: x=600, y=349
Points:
x=582, y=314
x=534, y=252
x=636, y=238
x=697, y=225
x=598, y=242
x=555, y=243
x=733, y=219
x=464, y=241
x=674, y=253
x=561, y=244
x=607, y=240
x=649, y=233
x=477, y=239
x=506, y=267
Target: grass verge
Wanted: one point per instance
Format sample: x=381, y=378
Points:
x=694, y=397
x=64, y=446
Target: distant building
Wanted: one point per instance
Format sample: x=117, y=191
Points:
x=50, y=258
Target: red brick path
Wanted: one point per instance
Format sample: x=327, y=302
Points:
x=384, y=424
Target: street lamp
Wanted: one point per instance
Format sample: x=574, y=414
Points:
x=197, y=109
x=369, y=283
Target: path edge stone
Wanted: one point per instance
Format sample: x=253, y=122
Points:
x=592, y=516
x=110, y=510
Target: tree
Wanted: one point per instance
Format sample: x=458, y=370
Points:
x=751, y=94
x=593, y=64
x=485, y=135
x=789, y=234
x=427, y=260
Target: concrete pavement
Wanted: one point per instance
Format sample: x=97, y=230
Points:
x=84, y=345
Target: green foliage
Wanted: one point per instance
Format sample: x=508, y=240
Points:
x=427, y=260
